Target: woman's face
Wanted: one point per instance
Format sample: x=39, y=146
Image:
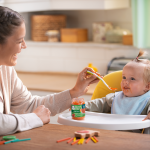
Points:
x=12, y=47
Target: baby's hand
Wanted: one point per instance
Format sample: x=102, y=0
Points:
x=147, y=117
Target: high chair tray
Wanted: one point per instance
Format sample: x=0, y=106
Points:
x=106, y=121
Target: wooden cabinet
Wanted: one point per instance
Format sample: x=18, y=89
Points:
x=42, y=5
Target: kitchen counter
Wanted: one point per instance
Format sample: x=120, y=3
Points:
x=70, y=57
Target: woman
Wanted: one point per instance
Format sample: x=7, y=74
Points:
x=28, y=111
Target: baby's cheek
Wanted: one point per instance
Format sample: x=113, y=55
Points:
x=135, y=87
x=132, y=86
x=121, y=84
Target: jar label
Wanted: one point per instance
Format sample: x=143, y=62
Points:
x=78, y=110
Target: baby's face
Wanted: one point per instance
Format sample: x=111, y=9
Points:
x=132, y=83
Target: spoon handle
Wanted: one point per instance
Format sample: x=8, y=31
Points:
x=101, y=80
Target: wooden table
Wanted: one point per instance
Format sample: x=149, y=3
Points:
x=44, y=138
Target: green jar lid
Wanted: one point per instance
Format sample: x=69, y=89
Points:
x=9, y=137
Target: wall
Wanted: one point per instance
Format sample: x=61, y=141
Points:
x=72, y=58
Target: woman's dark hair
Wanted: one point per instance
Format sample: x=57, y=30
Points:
x=9, y=20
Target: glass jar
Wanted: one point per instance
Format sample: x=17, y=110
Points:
x=116, y=35
x=53, y=35
x=78, y=109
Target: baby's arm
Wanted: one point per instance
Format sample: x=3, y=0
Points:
x=102, y=105
x=147, y=117
x=148, y=114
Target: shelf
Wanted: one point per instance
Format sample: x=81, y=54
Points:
x=82, y=44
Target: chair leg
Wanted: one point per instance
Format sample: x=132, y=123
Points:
x=147, y=131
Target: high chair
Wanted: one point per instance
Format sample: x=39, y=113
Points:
x=113, y=80
x=107, y=121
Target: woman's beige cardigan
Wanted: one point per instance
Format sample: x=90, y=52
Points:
x=19, y=103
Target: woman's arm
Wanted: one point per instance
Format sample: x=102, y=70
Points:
x=12, y=123
x=148, y=113
x=23, y=102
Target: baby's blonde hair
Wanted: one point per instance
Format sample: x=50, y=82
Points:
x=146, y=74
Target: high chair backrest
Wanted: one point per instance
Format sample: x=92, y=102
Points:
x=113, y=80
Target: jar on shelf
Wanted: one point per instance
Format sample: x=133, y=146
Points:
x=78, y=109
x=116, y=35
x=53, y=35
x=99, y=31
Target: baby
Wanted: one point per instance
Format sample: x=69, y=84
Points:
x=134, y=99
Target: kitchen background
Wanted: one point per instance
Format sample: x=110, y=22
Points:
x=44, y=64
x=70, y=57
x=73, y=57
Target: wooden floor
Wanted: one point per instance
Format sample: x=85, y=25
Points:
x=50, y=81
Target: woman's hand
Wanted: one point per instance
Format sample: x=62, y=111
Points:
x=83, y=82
x=43, y=113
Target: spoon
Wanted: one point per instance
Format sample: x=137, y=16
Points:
x=113, y=89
